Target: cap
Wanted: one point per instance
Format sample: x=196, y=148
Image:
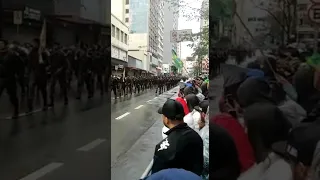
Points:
x=301, y=144
x=174, y=174
x=172, y=109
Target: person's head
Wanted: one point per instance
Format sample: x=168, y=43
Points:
x=3, y=44
x=189, y=90
x=172, y=113
x=192, y=101
x=300, y=150
x=36, y=43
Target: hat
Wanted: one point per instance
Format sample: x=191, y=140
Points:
x=301, y=144
x=203, y=105
x=172, y=109
x=174, y=174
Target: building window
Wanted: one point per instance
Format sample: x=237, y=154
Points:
x=127, y=20
x=125, y=38
x=127, y=1
x=122, y=36
x=118, y=34
x=113, y=31
x=127, y=11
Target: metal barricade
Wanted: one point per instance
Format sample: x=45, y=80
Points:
x=147, y=172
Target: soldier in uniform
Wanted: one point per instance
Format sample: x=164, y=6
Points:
x=37, y=72
x=8, y=62
x=58, y=71
x=85, y=74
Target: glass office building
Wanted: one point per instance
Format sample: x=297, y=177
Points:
x=139, y=16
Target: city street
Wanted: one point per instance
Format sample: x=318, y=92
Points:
x=73, y=141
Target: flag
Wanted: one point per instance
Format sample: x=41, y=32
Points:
x=43, y=40
x=177, y=62
x=314, y=61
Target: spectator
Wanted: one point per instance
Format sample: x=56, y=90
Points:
x=183, y=148
x=194, y=116
x=265, y=123
x=174, y=174
x=224, y=160
x=204, y=133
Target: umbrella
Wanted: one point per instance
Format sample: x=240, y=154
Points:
x=233, y=74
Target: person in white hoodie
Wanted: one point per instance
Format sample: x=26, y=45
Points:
x=194, y=116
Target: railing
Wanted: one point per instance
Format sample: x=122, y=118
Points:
x=147, y=172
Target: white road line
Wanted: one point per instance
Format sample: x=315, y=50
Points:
x=123, y=115
x=91, y=145
x=43, y=171
x=149, y=100
x=138, y=107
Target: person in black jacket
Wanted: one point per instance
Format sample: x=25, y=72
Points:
x=183, y=147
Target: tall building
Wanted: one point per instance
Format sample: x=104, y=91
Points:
x=171, y=15
x=146, y=24
x=119, y=36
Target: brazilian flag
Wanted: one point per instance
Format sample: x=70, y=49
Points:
x=176, y=60
x=314, y=61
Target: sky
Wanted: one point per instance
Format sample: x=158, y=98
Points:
x=184, y=23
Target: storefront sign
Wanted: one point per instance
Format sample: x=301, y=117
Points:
x=118, y=54
x=17, y=17
x=33, y=14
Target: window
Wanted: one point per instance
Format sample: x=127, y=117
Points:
x=118, y=34
x=127, y=10
x=127, y=1
x=127, y=20
x=122, y=35
x=126, y=38
x=113, y=31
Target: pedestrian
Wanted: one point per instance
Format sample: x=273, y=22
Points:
x=223, y=160
x=183, y=148
x=264, y=121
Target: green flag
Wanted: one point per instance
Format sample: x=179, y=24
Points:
x=314, y=61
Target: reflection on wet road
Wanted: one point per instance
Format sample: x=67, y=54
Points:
x=73, y=142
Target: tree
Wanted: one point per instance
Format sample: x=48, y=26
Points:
x=282, y=14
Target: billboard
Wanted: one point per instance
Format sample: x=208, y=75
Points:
x=177, y=36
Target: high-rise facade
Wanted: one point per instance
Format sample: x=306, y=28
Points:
x=171, y=16
x=119, y=35
x=146, y=24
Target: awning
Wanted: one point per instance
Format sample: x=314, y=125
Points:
x=75, y=20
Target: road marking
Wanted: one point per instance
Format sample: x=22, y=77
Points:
x=123, y=115
x=91, y=145
x=138, y=107
x=32, y=112
x=149, y=100
x=43, y=171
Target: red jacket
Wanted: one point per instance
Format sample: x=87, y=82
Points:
x=234, y=128
x=184, y=104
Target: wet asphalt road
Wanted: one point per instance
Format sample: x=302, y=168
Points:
x=73, y=142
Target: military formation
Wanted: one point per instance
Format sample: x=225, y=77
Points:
x=27, y=70
x=122, y=86
x=31, y=70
